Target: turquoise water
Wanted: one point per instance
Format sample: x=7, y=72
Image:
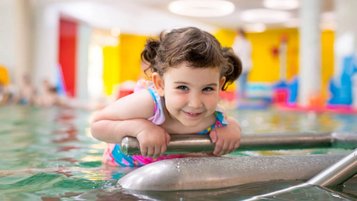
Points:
x=49, y=154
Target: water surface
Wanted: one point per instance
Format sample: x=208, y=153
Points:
x=49, y=154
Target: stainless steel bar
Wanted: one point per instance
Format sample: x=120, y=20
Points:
x=202, y=143
x=338, y=173
x=286, y=140
x=177, y=144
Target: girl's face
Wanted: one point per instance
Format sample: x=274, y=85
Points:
x=191, y=94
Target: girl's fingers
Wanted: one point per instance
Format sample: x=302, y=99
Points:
x=143, y=150
x=168, y=138
x=236, y=145
x=163, y=149
x=231, y=147
x=213, y=135
x=157, y=151
x=218, y=147
x=151, y=151
x=224, y=149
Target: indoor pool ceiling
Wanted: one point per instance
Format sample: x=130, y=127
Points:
x=154, y=15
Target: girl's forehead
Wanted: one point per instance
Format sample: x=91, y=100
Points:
x=185, y=68
x=191, y=74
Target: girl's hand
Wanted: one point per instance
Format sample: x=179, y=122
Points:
x=226, y=138
x=153, y=141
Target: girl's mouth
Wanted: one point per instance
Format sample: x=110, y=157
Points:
x=193, y=114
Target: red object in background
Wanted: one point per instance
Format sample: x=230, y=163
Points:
x=274, y=52
x=227, y=95
x=280, y=96
x=67, y=54
x=284, y=38
x=124, y=92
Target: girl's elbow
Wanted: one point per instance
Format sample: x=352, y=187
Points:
x=96, y=129
x=96, y=124
x=96, y=117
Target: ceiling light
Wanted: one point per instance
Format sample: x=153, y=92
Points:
x=257, y=27
x=281, y=4
x=115, y=32
x=265, y=16
x=202, y=8
x=328, y=26
x=328, y=21
x=328, y=16
x=292, y=23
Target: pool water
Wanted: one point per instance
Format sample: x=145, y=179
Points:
x=49, y=154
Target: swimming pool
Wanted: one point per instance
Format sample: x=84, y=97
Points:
x=49, y=154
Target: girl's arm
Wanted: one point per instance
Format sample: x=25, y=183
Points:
x=128, y=117
x=226, y=138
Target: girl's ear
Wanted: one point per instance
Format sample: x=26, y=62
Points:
x=221, y=82
x=158, y=83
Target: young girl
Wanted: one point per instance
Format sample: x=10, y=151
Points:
x=188, y=69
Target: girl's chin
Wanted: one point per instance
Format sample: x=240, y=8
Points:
x=190, y=123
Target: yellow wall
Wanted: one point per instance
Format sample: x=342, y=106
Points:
x=327, y=61
x=122, y=62
x=111, y=68
x=266, y=63
x=226, y=38
x=266, y=66
x=266, y=59
x=131, y=47
x=127, y=66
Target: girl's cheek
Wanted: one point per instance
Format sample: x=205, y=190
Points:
x=178, y=99
x=175, y=98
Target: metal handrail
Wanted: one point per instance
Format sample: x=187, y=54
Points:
x=202, y=143
x=337, y=173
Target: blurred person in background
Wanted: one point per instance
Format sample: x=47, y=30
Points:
x=49, y=95
x=4, y=95
x=26, y=92
x=243, y=48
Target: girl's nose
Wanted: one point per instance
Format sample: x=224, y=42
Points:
x=195, y=101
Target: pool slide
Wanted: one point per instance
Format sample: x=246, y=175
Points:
x=218, y=172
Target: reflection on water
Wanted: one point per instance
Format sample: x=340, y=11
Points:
x=303, y=192
x=276, y=121
x=49, y=154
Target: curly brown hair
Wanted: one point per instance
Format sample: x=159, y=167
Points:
x=195, y=47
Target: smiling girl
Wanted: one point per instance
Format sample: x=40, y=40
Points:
x=188, y=70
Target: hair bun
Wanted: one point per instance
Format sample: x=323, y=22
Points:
x=150, y=50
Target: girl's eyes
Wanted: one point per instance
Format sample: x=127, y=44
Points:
x=182, y=87
x=185, y=88
x=208, y=89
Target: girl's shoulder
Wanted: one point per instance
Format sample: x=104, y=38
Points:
x=136, y=105
x=146, y=98
x=143, y=84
